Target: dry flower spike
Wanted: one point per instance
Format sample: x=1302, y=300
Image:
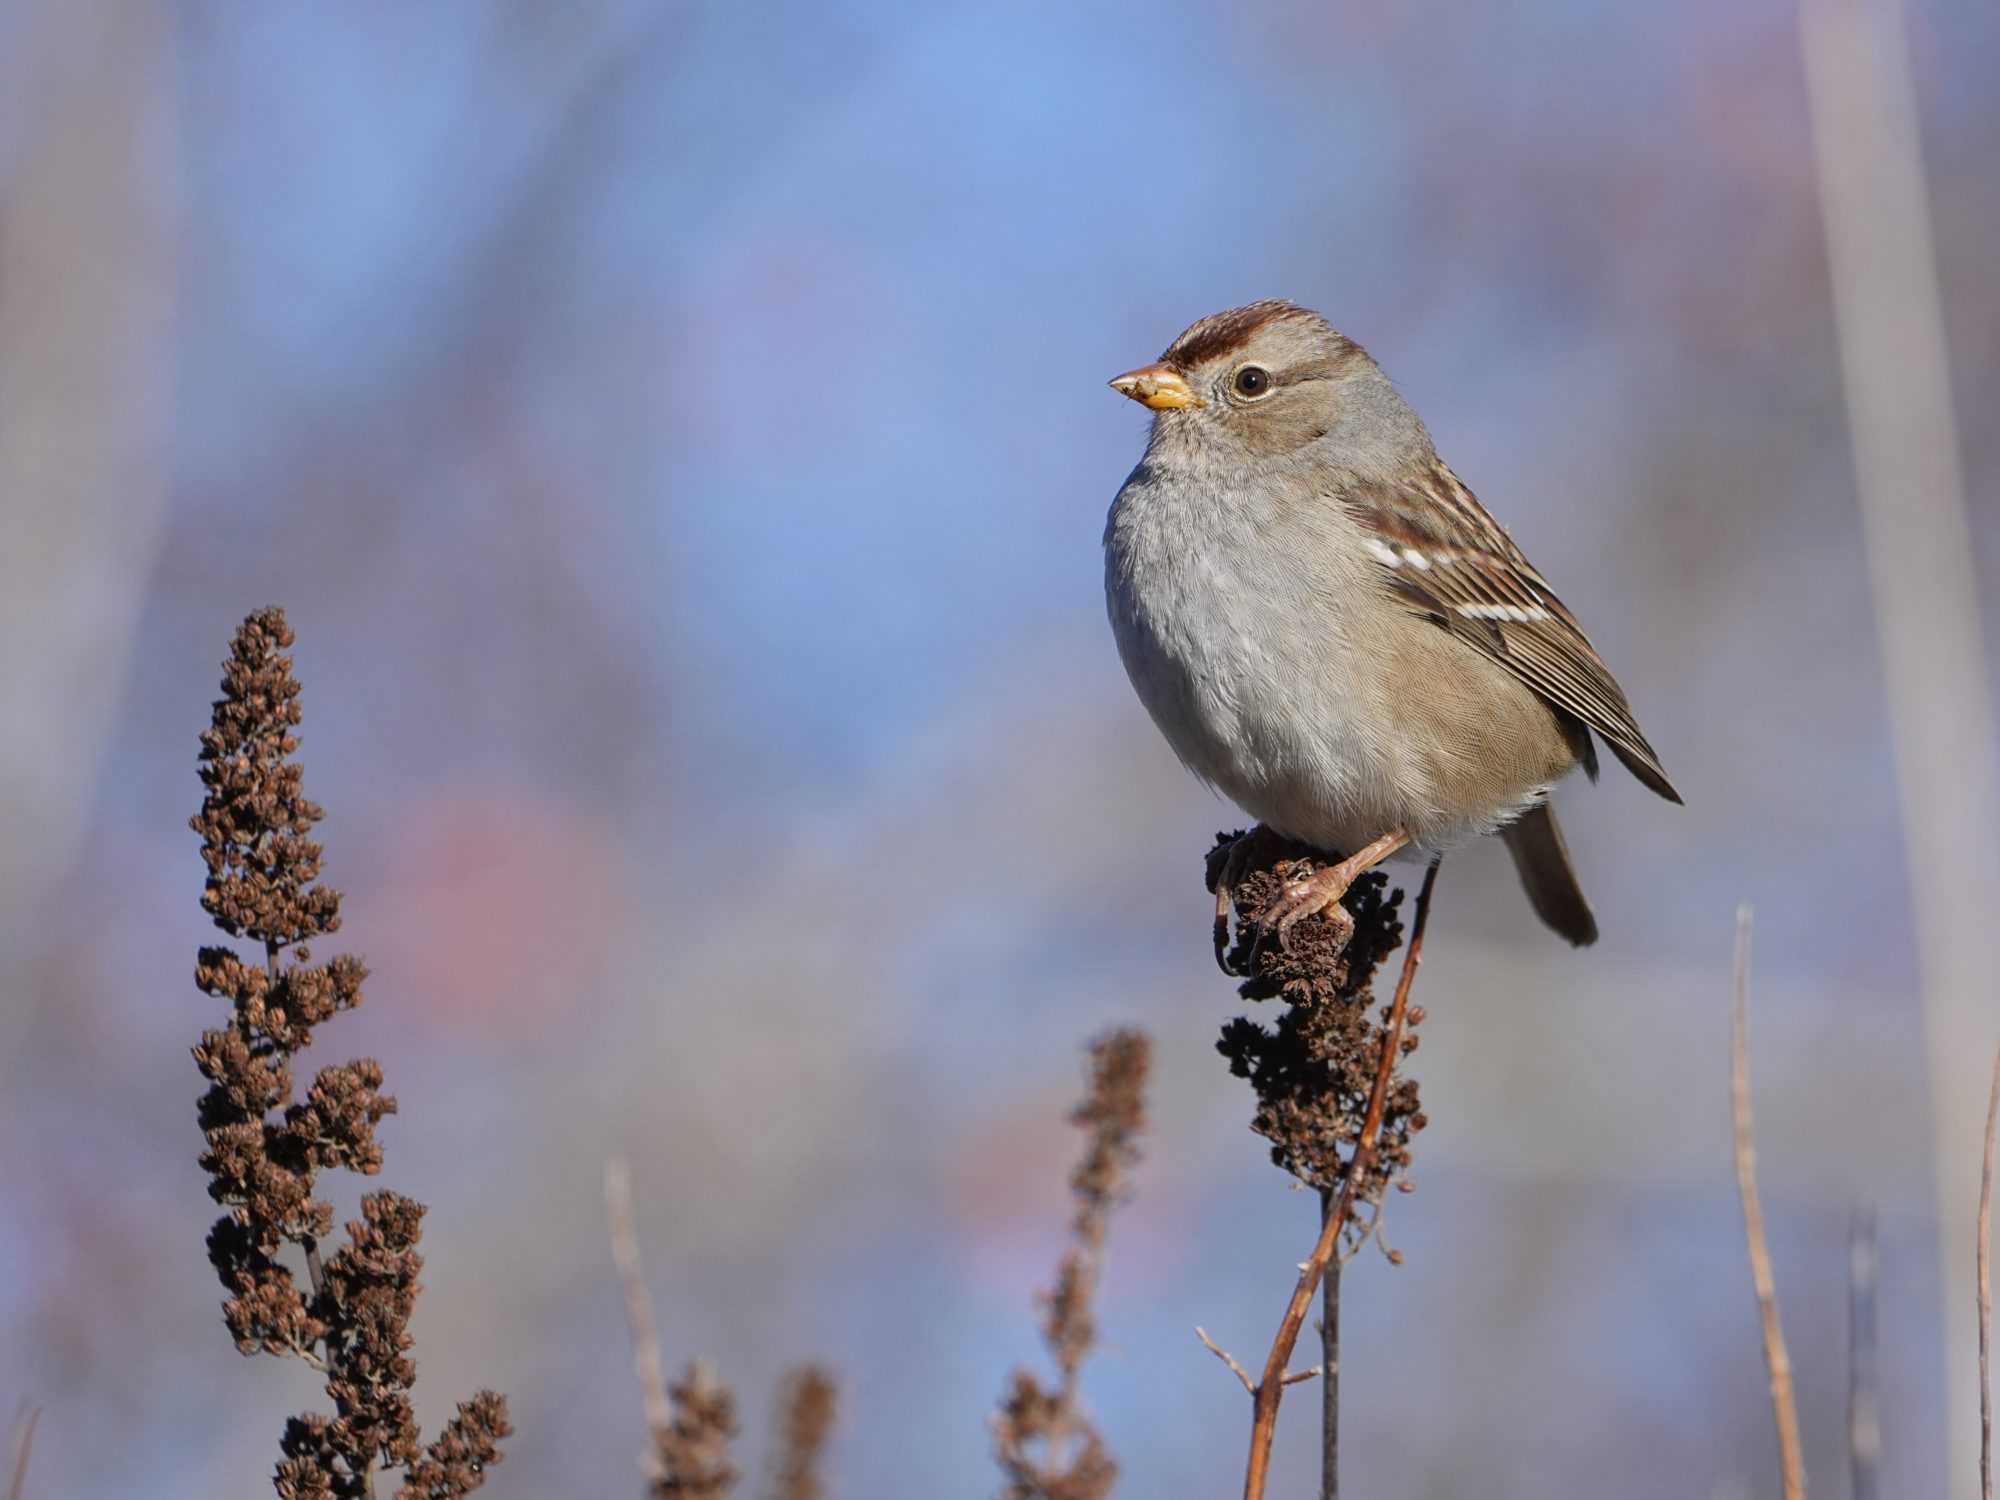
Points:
x=692, y=1450
x=692, y=1422
x=808, y=1404
x=1047, y=1446
x=1313, y=1068
x=266, y=1146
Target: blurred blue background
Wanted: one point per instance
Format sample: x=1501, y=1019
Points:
x=678, y=434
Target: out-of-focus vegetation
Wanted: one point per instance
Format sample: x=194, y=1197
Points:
x=677, y=433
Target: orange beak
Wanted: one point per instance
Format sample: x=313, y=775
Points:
x=1157, y=387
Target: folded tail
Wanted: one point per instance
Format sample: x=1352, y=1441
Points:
x=1549, y=878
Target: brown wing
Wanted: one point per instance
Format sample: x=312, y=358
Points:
x=1450, y=561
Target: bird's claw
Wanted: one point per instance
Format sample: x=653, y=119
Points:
x=1320, y=893
x=1225, y=869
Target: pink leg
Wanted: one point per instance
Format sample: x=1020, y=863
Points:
x=1321, y=891
x=1225, y=883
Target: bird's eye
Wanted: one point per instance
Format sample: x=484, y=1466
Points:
x=1252, y=380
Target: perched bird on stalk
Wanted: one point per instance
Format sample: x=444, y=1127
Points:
x=1329, y=628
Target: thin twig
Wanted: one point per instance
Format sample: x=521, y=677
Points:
x=1791, y=1460
x=22, y=1445
x=1371, y=1231
x=1226, y=1357
x=638, y=1302
x=1293, y=1377
x=1271, y=1389
x=1329, y=1357
x=1986, y=1292
x=1864, y=1420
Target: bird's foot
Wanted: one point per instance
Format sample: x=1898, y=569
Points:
x=1225, y=868
x=1320, y=893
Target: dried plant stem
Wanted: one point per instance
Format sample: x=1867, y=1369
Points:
x=1791, y=1460
x=691, y=1421
x=1864, y=1422
x=646, y=1358
x=1861, y=90
x=1329, y=1364
x=1271, y=1389
x=22, y=1444
x=1985, y=1255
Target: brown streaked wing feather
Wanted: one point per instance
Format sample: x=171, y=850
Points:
x=1452, y=563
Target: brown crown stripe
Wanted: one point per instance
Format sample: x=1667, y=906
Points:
x=1222, y=334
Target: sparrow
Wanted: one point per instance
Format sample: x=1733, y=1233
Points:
x=1328, y=627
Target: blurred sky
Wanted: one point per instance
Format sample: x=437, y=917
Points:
x=678, y=435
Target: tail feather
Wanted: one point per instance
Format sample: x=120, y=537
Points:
x=1542, y=858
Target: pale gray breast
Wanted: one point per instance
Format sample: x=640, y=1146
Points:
x=1268, y=650
x=1232, y=623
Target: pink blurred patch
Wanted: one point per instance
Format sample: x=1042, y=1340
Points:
x=497, y=904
